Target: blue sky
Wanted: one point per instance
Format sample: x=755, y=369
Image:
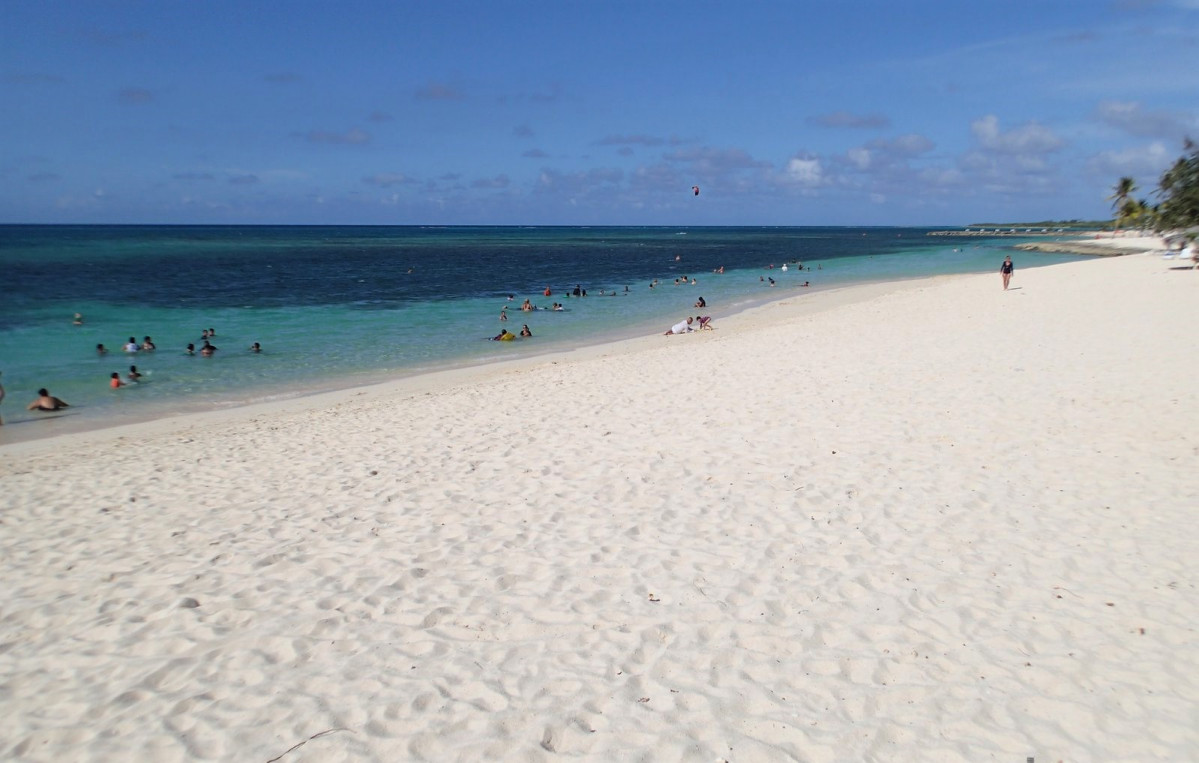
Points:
x=579, y=112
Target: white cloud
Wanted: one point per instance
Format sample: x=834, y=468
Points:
x=1030, y=138
x=1138, y=162
x=806, y=171
x=1134, y=120
x=860, y=158
x=910, y=145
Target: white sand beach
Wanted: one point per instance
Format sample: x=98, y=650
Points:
x=930, y=521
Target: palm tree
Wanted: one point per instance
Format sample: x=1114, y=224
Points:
x=1123, y=194
x=1128, y=212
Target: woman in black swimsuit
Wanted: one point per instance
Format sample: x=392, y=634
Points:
x=1005, y=270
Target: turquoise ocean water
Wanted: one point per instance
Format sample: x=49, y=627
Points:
x=342, y=306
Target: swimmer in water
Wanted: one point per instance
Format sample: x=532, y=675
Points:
x=115, y=380
x=47, y=402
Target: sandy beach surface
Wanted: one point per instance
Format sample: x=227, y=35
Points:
x=930, y=521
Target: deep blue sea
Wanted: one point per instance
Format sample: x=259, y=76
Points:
x=341, y=306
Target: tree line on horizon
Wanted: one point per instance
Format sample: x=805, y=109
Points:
x=1178, y=190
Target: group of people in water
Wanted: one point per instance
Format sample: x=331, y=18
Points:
x=47, y=403
x=690, y=323
x=206, y=350
x=527, y=306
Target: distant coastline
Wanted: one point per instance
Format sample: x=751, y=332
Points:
x=1108, y=246
x=1093, y=242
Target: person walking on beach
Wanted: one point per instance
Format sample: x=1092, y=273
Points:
x=1005, y=270
x=1, y=401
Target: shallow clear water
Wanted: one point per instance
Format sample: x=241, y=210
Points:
x=338, y=306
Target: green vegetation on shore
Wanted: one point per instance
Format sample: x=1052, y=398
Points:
x=1178, y=189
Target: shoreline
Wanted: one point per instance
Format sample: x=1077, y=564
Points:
x=940, y=521
x=280, y=397
x=1108, y=245
x=291, y=368
x=305, y=397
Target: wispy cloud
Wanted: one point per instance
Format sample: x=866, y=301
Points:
x=710, y=160
x=135, y=96
x=847, y=119
x=439, y=91
x=1140, y=162
x=352, y=137
x=497, y=182
x=886, y=153
x=638, y=140
x=1131, y=118
x=31, y=78
x=243, y=180
x=579, y=183
x=387, y=179
x=112, y=38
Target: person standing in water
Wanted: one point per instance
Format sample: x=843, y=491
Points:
x=1005, y=270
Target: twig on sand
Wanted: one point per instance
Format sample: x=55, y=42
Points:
x=306, y=741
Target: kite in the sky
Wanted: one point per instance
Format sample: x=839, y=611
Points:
x=695, y=190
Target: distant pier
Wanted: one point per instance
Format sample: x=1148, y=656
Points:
x=989, y=232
